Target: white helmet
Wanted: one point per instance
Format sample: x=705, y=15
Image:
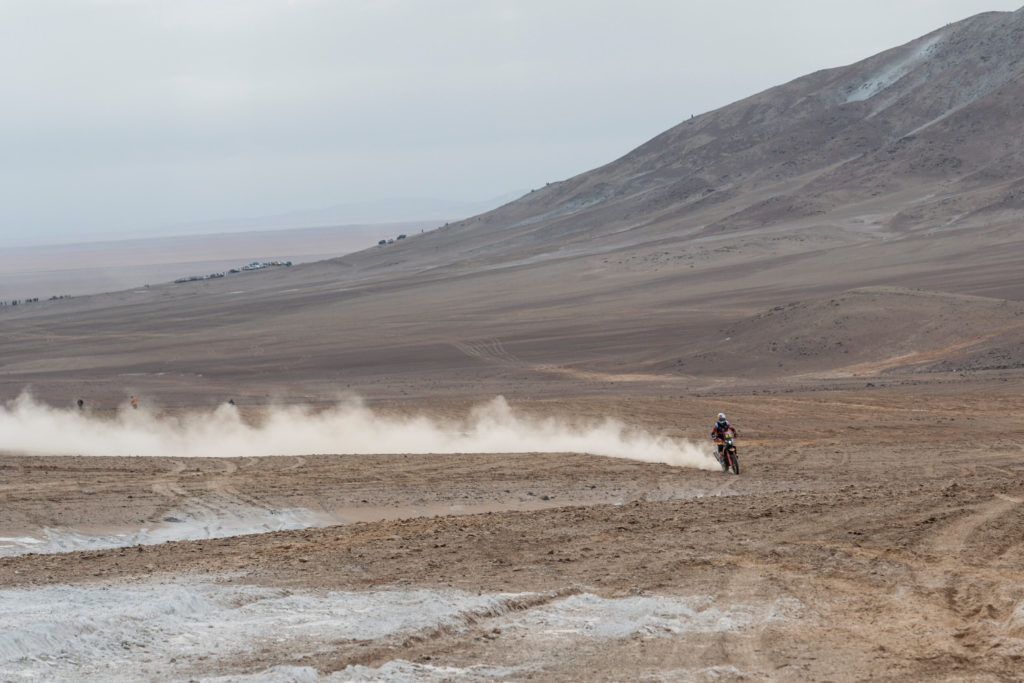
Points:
x=721, y=417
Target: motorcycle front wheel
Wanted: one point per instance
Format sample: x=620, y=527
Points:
x=720, y=457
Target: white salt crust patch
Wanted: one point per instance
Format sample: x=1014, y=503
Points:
x=172, y=631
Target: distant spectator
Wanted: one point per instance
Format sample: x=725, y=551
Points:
x=135, y=403
x=81, y=404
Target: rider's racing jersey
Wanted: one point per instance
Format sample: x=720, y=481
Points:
x=720, y=430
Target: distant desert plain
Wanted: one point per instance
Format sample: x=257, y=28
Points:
x=483, y=452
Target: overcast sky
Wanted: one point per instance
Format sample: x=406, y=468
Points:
x=123, y=117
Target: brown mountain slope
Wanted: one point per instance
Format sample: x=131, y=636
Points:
x=924, y=135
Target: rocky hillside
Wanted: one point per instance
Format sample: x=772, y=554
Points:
x=925, y=135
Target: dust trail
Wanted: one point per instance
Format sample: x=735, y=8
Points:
x=30, y=427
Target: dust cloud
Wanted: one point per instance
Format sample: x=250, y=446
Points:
x=349, y=427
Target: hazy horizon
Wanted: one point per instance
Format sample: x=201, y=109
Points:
x=134, y=118
x=367, y=214
x=80, y=269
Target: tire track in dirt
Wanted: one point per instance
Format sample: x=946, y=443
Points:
x=966, y=585
x=225, y=498
x=951, y=539
x=494, y=352
x=222, y=506
x=489, y=351
x=228, y=467
x=935, y=578
x=793, y=457
x=465, y=632
x=1008, y=473
x=171, y=489
x=730, y=482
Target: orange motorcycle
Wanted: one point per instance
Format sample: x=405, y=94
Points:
x=727, y=457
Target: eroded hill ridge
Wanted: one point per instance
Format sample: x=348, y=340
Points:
x=926, y=128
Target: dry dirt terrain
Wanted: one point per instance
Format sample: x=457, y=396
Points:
x=872, y=534
x=836, y=263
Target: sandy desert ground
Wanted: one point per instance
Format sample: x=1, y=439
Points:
x=871, y=534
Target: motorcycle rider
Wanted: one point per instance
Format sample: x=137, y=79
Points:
x=720, y=430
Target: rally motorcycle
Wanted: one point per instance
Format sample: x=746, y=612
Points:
x=728, y=458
